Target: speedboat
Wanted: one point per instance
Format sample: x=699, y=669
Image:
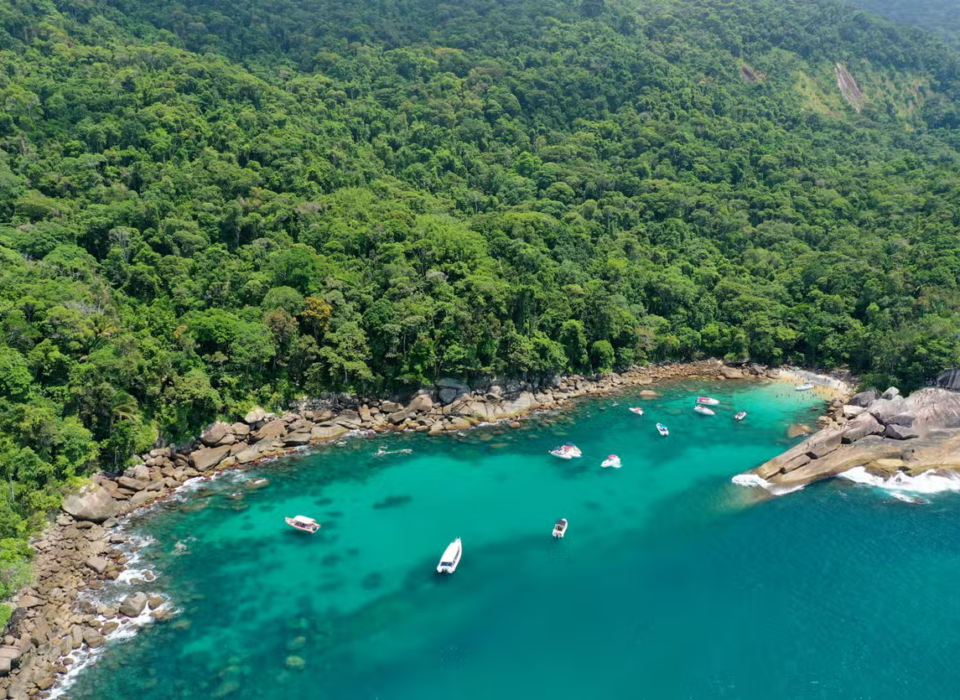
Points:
x=303, y=523
x=740, y=416
x=612, y=461
x=662, y=429
x=707, y=401
x=806, y=386
x=451, y=558
x=568, y=451
x=703, y=410
x=637, y=410
x=560, y=529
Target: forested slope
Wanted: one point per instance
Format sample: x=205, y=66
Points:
x=934, y=15
x=209, y=204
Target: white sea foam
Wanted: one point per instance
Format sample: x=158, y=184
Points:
x=86, y=657
x=756, y=482
x=928, y=482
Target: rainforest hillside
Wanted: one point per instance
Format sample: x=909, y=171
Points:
x=934, y=15
x=209, y=204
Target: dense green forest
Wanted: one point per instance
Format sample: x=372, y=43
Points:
x=209, y=204
x=934, y=15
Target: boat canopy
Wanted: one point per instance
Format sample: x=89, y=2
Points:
x=304, y=520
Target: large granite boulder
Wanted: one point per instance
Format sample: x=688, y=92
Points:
x=890, y=393
x=449, y=390
x=215, y=433
x=272, y=430
x=934, y=409
x=885, y=409
x=860, y=427
x=256, y=415
x=421, y=403
x=209, y=457
x=92, y=503
x=140, y=472
x=327, y=432
x=730, y=372
x=864, y=398
x=133, y=605
x=900, y=432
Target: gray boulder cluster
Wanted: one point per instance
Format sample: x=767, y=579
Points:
x=50, y=624
x=884, y=430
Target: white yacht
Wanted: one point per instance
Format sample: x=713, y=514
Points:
x=636, y=410
x=560, y=529
x=612, y=461
x=703, y=410
x=451, y=558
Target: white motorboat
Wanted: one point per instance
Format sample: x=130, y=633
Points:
x=806, y=386
x=451, y=557
x=703, y=410
x=636, y=410
x=560, y=529
x=662, y=429
x=303, y=523
x=612, y=461
x=740, y=416
x=568, y=451
x=707, y=401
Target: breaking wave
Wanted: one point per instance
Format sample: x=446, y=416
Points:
x=928, y=482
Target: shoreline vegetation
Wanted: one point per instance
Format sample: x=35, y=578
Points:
x=54, y=625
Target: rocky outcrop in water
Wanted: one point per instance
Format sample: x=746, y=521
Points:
x=882, y=432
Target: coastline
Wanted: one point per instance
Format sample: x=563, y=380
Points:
x=57, y=625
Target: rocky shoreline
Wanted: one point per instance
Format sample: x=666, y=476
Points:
x=53, y=625
x=886, y=434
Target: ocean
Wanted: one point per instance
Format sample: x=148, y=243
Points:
x=672, y=582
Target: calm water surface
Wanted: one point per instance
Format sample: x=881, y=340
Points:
x=671, y=583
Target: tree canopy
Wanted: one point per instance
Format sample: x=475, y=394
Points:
x=208, y=204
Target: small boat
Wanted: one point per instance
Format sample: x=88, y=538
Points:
x=303, y=523
x=662, y=429
x=612, y=461
x=707, y=401
x=568, y=451
x=703, y=410
x=560, y=529
x=740, y=416
x=806, y=386
x=637, y=410
x=451, y=558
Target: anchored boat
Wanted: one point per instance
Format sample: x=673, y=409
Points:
x=703, y=410
x=451, y=558
x=303, y=523
x=740, y=416
x=568, y=451
x=560, y=529
x=612, y=461
x=662, y=429
x=707, y=401
x=637, y=410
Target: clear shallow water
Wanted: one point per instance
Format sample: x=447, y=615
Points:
x=668, y=585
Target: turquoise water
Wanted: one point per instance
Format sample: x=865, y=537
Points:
x=671, y=582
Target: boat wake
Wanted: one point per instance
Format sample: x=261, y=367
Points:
x=382, y=452
x=928, y=482
x=754, y=481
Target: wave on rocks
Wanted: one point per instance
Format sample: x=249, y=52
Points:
x=754, y=481
x=928, y=482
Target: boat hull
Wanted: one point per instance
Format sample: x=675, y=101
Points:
x=451, y=558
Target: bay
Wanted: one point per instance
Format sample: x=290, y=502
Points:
x=671, y=582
